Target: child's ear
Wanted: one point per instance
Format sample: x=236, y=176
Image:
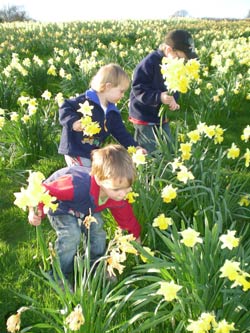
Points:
x=108, y=85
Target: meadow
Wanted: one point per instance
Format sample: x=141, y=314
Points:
x=191, y=273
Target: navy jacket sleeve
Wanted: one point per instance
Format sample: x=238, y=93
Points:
x=118, y=130
x=148, y=84
x=68, y=113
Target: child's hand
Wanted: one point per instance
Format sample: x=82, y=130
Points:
x=141, y=150
x=170, y=101
x=77, y=126
x=138, y=240
x=33, y=218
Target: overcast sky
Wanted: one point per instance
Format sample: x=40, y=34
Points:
x=71, y=10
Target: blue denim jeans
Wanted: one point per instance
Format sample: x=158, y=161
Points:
x=68, y=239
x=146, y=135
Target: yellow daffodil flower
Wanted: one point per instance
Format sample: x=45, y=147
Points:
x=162, y=222
x=75, y=319
x=233, y=152
x=190, y=237
x=169, y=290
x=229, y=240
x=169, y=193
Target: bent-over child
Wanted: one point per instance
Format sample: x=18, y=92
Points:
x=80, y=193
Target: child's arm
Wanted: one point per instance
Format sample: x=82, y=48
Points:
x=126, y=219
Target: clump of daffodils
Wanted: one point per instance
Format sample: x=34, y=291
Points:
x=207, y=323
x=89, y=126
x=178, y=73
x=35, y=194
x=117, y=249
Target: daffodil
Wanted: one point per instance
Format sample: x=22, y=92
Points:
x=246, y=134
x=224, y=327
x=90, y=127
x=149, y=251
x=114, y=262
x=131, y=150
x=169, y=193
x=244, y=200
x=169, y=290
x=131, y=196
x=190, y=237
x=240, y=280
x=75, y=319
x=14, y=322
x=139, y=158
x=185, y=149
x=230, y=270
x=233, y=152
x=203, y=324
x=209, y=131
x=179, y=74
x=14, y=116
x=229, y=240
x=184, y=175
x=34, y=194
x=247, y=158
x=194, y=136
x=86, y=109
x=162, y=222
x=46, y=95
x=2, y=122
x=176, y=164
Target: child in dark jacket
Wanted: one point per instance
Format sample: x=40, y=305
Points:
x=80, y=193
x=149, y=92
x=98, y=106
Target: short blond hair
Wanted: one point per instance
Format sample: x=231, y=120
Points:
x=113, y=162
x=111, y=73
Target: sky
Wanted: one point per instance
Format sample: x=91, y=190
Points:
x=73, y=10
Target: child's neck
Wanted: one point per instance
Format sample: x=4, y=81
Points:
x=102, y=99
x=102, y=196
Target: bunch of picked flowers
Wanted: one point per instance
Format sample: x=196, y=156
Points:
x=90, y=127
x=179, y=73
x=35, y=194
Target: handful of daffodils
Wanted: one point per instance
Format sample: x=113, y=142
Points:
x=89, y=126
x=178, y=73
x=35, y=194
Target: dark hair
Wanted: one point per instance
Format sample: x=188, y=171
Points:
x=181, y=40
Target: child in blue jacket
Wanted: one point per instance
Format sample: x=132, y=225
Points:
x=149, y=92
x=107, y=88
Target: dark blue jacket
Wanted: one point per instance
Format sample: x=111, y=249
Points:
x=74, y=143
x=146, y=89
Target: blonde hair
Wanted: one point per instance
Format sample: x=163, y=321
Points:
x=113, y=162
x=111, y=73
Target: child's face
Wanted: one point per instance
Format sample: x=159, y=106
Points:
x=170, y=53
x=114, y=94
x=115, y=189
